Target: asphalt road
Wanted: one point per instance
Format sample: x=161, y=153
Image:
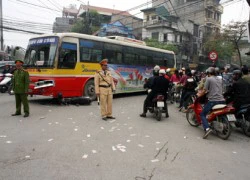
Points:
x=73, y=143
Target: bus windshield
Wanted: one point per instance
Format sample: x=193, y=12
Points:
x=41, y=52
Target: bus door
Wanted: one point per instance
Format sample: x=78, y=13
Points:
x=68, y=76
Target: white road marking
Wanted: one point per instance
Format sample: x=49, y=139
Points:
x=8, y=142
x=84, y=156
x=50, y=140
x=154, y=160
x=140, y=145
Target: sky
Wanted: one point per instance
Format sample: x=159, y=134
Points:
x=19, y=10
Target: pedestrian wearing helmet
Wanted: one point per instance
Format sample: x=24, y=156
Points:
x=159, y=86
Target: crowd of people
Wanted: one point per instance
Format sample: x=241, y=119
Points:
x=215, y=84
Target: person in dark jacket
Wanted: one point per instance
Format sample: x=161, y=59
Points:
x=240, y=90
x=159, y=86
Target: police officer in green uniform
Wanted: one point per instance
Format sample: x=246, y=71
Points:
x=20, y=84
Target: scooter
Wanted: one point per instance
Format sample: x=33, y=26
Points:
x=158, y=106
x=220, y=118
x=5, y=84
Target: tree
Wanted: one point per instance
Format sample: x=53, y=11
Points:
x=88, y=23
x=161, y=45
x=219, y=43
x=234, y=32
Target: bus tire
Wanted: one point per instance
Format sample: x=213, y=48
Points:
x=89, y=90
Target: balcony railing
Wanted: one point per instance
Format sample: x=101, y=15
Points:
x=212, y=21
x=156, y=23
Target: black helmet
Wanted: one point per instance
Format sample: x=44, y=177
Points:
x=237, y=74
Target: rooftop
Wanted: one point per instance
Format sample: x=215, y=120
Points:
x=105, y=10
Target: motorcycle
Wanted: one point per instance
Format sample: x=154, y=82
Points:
x=158, y=106
x=243, y=119
x=5, y=84
x=242, y=116
x=220, y=118
x=175, y=93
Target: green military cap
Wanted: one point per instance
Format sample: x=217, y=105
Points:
x=19, y=61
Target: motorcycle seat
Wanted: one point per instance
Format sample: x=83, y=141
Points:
x=219, y=106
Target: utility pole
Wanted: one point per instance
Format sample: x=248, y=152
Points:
x=1, y=25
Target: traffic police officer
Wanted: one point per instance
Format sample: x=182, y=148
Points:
x=104, y=87
x=20, y=84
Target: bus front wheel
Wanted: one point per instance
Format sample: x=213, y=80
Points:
x=89, y=89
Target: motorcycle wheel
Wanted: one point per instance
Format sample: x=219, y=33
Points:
x=3, y=89
x=227, y=129
x=158, y=113
x=10, y=91
x=190, y=116
x=246, y=127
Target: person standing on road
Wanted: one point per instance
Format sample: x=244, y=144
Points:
x=213, y=89
x=104, y=88
x=20, y=82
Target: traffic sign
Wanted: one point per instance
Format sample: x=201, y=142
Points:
x=213, y=55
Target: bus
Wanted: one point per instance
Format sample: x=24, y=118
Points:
x=64, y=64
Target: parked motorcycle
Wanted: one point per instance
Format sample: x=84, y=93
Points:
x=158, y=106
x=5, y=84
x=220, y=118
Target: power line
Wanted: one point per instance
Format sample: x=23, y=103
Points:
x=38, y=5
x=15, y=29
x=44, y=9
x=54, y=5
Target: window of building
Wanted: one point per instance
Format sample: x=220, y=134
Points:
x=175, y=38
x=165, y=37
x=196, y=30
x=153, y=17
x=155, y=35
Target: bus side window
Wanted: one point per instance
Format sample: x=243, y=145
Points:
x=150, y=61
x=68, y=56
x=113, y=53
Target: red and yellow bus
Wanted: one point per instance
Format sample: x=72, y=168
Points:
x=65, y=63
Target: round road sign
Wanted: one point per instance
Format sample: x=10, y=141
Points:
x=213, y=55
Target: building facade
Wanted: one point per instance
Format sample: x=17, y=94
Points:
x=64, y=23
x=114, y=15
x=184, y=23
